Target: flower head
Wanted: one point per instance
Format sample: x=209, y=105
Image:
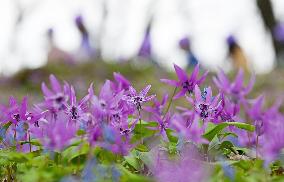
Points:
x=107, y=103
x=236, y=90
x=121, y=83
x=76, y=111
x=56, y=98
x=204, y=103
x=158, y=106
x=185, y=83
x=137, y=100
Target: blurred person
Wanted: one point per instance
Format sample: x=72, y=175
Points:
x=145, y=49
x=56, y=54
x=168, y=26
x=86, y=51
x=184, y=44
x=211, y=22
x=237, y=54
x=278, y=32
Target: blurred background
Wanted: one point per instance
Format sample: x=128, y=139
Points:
x=136, y=37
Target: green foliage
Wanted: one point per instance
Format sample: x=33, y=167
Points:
x=209, y=135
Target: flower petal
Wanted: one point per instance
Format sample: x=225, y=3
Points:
x=238, y=83
x=144, y=92
x=181, y=74
x=202, y=78
x=45, y=90
x=180, y=94
x=170, y=82
x=194, y=74
x=197, y=94
x=55, y=85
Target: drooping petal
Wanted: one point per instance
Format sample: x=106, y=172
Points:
x=238, y=83
x=250, y=85
x=46, y=90
x=202, y=78
x=180, y=73
x=144, y=92
x=180, y=94
x=223, y=80
x=194, y=74
x=55, y=85
x=197, y=94
x=106, y=92
x=170, y=82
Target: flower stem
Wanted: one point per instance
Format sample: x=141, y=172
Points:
x=170, y=103
x=140, y=123
x=256, y=147
x=30, y=145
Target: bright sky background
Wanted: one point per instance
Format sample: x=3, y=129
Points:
x=206, y=22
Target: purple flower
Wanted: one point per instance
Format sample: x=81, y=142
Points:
x=56, y=98
x=138, y=100
x=163, y=125
x=272, y=136
x=55, y=135
x=255, y=112
x=114, y=141
x=126, y=128
x=76, y=111
x=236, y=90
x=17, y=113
x=204, y=103
x=106, y=104
x=157, y=107
x=188, y=167
x=121, y=83
x=192, y=132
x=227, y=111
x=186, y=83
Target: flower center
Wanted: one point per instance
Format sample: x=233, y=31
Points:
x=188, y=86
x=16, y=117
x=204, y=114
x=74, y=113
x=203, y=107
x=138, y=101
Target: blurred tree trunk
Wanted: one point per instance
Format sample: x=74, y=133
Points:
x=267, y=14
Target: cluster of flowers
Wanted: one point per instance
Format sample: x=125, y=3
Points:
x=109, y=118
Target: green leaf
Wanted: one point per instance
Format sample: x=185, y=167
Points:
x=227, y=145
x=81, y=132
x=221, y=136
x=142, y=148
x=171, y=138
x=218, y=128
x=132, y=161
x=32, y=142
x=4, y=129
